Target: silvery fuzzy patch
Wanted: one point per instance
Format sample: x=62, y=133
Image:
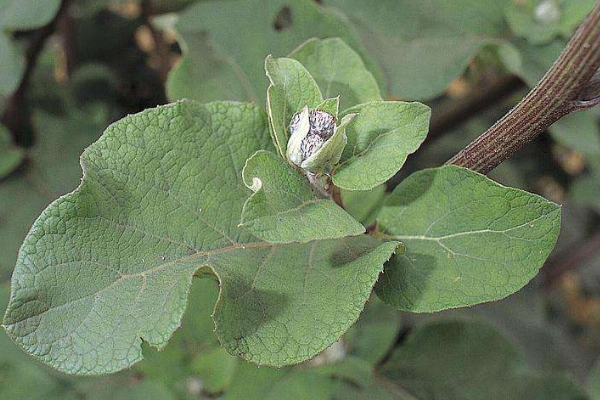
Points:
x=321, y=127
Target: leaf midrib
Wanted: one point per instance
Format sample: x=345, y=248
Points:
x=466, y=233
x=144, y=274
x=372, y=144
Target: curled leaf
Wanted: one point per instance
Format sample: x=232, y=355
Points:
x=284, y=207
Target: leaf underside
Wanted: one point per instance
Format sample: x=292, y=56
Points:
x=470, y=360
x=221, y=64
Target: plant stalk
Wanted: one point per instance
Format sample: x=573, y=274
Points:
x=563, y=89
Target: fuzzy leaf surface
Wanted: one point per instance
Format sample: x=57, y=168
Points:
x=111, y=263
x=423, y=45
x=285, y=209
x=468, y=239
x=338, y=70
x=380, y=139
x=221, y=64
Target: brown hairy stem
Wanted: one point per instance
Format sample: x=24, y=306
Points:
x=564, y=88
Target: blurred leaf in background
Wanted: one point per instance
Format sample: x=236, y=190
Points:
x=224, y=63
x=19, y=15
x=408, y=38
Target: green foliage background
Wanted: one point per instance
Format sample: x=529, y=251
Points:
x=104, y=62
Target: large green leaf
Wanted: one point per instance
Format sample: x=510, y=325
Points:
x=470, y=360
x=111, y=263
x=348, y=376
x=423, y=45
x=468, y=239
x=380, y=139
x=226, y=42
x=20, y=378
x=338, y=70
x=19, y=15
x=285, y=209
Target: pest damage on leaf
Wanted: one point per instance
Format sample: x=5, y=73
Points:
x=309, y=130
x=283, y=19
